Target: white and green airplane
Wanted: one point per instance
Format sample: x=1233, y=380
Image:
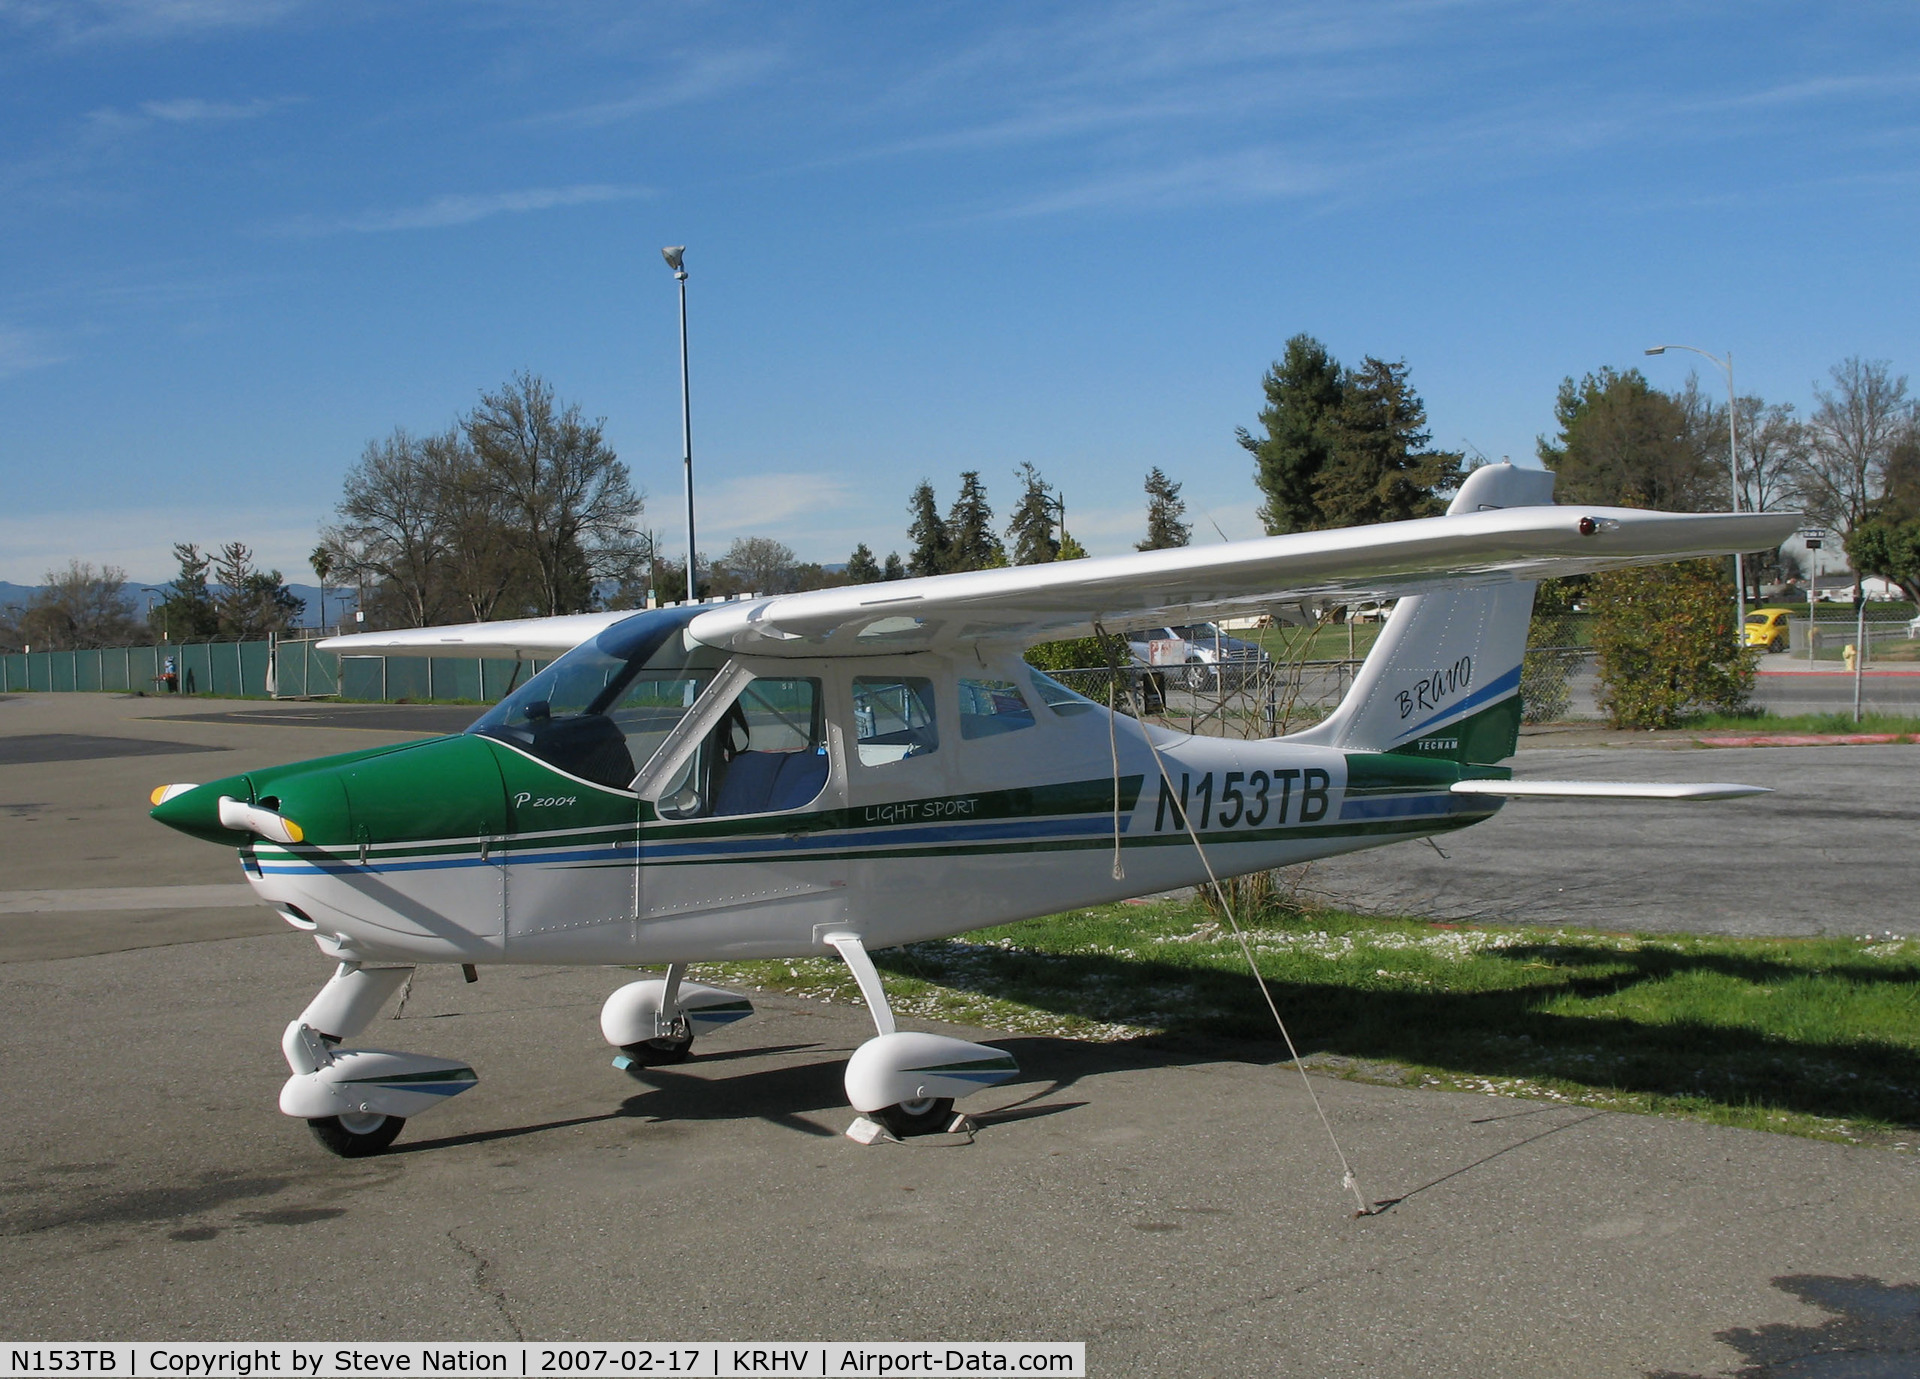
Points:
x=850, y=769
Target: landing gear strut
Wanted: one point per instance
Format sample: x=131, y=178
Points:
x=908, y=1081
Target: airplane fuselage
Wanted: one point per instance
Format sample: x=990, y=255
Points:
x=476, y=849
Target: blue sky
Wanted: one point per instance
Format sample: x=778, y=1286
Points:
x=243, y=237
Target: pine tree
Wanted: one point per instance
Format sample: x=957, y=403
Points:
x=1070, y=549
x=1164, y=511
x=1380, y=470
x=861, y=566
x=971, y=543
x=1031, y=529
x=932, y=549
x=893, y=569
x=1304, y=391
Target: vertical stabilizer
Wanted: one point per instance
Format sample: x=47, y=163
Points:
x=1443, y=680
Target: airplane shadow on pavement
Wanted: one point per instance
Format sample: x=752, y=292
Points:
x=1873, y=1333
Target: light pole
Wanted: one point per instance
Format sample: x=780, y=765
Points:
x=1733, y=474
x=150, y=592
x=675, y=256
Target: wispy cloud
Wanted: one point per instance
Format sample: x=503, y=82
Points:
x=21, y=350
x=1258, y=174
x=700, y=77
x=787, y=507
x=460, y=209
x=84, y=21
x=186, y=110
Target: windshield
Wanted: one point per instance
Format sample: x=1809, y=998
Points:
x=601, y=710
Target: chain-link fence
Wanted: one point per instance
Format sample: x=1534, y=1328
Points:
x=1294, y=688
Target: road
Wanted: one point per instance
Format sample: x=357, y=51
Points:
x=1831, y=851
x=1178, y=1210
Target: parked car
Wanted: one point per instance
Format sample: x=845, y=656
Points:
x=1197, y=655
x=1767, y=627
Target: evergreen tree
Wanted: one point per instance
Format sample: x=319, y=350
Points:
x=862, y=568
x=971, y=543
x=187, y=613
x=1304, y=391
x=1164, y=511
x=1031, y=529
x=893, y=569
x=1379, y=469
x=932, y=549
x=1070, y=549
x=1625, y=443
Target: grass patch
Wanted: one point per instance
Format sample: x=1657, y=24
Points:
x=1759, y=721
x=1816, y=1037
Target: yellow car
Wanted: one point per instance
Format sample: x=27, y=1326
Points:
x=1767, y=627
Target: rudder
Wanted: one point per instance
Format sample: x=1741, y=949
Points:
x=1443, y=680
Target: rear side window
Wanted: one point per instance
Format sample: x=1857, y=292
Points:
x=991, y=707
x=893, y=718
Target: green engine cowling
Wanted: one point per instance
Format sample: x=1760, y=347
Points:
x=446, y=787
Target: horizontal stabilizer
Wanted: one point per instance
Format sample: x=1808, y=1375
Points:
x=1608, y=789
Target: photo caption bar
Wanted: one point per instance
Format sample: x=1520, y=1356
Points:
x=533, y=1359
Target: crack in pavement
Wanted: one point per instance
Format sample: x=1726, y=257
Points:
x=482, y=1267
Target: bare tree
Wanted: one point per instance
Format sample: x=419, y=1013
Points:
x=1851, y=435
x=570, y=496
x=392, y=524
x=1773, y=446
x=762, y=565
x=78, y=609
x=481, y=560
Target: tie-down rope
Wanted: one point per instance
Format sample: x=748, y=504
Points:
x=1347, y=1180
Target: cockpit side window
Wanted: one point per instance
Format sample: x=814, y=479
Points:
x=600, y=711
x=893, y=718
x=767, y=754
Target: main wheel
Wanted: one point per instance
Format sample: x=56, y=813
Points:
x=357, y=1134
x=656, y=1053
x=927, y=1115
x=1199, y=676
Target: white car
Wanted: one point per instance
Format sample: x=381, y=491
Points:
x=1197, y=655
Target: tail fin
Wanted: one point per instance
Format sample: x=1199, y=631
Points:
x=1443, y=680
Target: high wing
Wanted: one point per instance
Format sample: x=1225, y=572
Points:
x=1036, y=603
x=522, y=639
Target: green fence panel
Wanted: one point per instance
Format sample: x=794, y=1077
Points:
x=196, y=668
x=407, y=678
x=13, y=671
x=253, y=658
x=323, y=672
x=362, y=677
x=86, y=672
x=60, y=670
x=454, y=677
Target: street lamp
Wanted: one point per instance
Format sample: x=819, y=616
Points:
x=149, y=591
x=675, y=256
x=1733, y=473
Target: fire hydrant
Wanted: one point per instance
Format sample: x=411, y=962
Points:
x=1847, y=655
